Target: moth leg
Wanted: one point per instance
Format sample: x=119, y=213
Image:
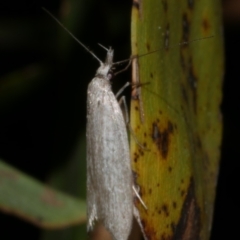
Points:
x=126, y=117
x=122, y=89
x=122, y=101
x=124, y=69
x=139, y=197
x=136, y=212
x=137, y=217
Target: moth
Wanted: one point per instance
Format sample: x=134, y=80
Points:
x=110, y=187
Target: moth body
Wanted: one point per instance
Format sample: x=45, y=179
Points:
x=109, y=174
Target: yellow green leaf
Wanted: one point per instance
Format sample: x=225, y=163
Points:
x=177, y=117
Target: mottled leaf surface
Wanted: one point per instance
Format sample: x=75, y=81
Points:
x=181, y=124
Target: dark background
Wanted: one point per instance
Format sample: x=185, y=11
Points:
x=42, y=121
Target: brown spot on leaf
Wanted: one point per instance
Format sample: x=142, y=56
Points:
x=182, y=61
x=135, y=157
x=148, y=47
x=192, y=81
x=149, y=230
x=49, y=197
x=136, y=4
x=206, y=25
x=182, y=193
x=190, y=4
x=170, y=127
x=165, y=5
x=8, y=175
x=184, y=94
x=165, y=209
x=141, y=151
x=189, y=225
x=162, y=138
x=170, y=169
x=167, y=37
x=198, y=143
x=151, y=75
x=164, y=236
x=185, y=30
x=174, y=204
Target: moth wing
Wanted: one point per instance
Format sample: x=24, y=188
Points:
x=110, y=196
x=91, y=196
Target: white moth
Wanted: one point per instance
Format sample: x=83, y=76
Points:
x=110, y=187
x=109, y=175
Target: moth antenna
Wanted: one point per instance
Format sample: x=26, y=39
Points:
x=71, y=34
x=151, y=52
x=103, y=46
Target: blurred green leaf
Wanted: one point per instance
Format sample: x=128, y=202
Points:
x=25, y=197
